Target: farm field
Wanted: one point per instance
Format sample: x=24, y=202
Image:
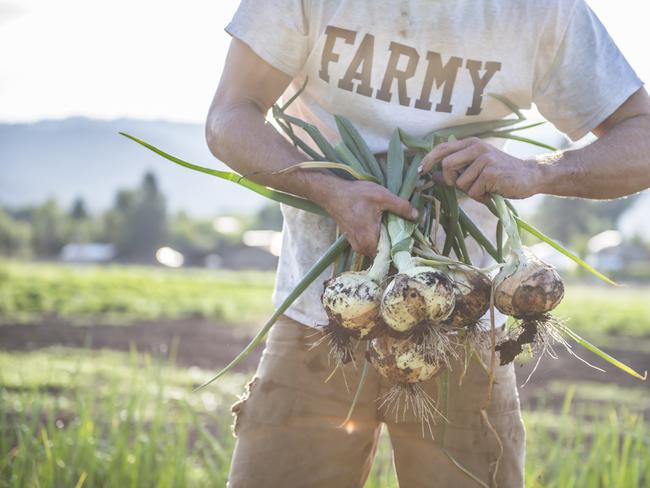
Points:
x=96, y=394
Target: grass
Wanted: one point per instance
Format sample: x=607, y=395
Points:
x=606, y=310
x=611, y=449
x=80, y=418
x=74, y=417
x=119, y=294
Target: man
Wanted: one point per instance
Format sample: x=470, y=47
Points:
x=417, y=65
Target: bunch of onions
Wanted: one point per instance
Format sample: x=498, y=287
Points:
x=352, y=303
x=527, y=289
x=418, y=299
x=399, y=361
x=427, y=303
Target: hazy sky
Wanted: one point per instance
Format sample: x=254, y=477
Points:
x=159, y=58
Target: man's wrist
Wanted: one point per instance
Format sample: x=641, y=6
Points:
x=320, y=187
x=552, y=174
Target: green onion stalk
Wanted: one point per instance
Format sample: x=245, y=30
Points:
x=418, y=299
x=352, y=302
x=527, y=289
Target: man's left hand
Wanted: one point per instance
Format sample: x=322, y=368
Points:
x=477, y=168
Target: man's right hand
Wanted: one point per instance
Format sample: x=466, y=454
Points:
x=358, y=206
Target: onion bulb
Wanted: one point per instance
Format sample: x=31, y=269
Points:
x=399, y=361
x=472, y=291
x=417, y=294
x=352, y=303
x=530, y=289
x=418, y=299
x=527, y=289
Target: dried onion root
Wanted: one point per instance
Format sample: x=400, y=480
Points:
x=399, y=361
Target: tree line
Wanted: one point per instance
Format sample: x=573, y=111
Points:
x=137, y=224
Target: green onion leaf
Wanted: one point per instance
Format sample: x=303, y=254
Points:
x=395, y=163
x=295, y=95
x=327, y=165
x=345, y=155
x=542, y=237
x=598, y=352
x=275, y=195
x=522, y=127
x=508, y=104
x=357, y=394
x=351, y=137
x=411, y=177
x=314, y=133
x=340, y=245
x=417, y=143
x=474, y=129
x=507, y=135
x=477, y=235
x=297, y=142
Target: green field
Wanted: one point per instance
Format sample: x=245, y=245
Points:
x=76, y=418
x=604, y=309
x=119, y=294
x=81, y=417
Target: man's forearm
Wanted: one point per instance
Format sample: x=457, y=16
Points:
x=241, y=137
x=615, y=165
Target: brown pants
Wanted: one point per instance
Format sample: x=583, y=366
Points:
x=289, y=434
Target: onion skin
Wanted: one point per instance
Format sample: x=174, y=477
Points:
x=533, y=289
x=352, y=301
x=419, y=295
x=398, y=361
x=472, y=296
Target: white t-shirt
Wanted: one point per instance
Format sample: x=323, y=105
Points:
x=422, y=65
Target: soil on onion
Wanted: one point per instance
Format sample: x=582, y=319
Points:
x=209, y=344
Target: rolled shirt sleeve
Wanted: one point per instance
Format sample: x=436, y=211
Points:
x=586, y=78
x=276, y=30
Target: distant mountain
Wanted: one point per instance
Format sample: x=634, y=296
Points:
x=80, y=157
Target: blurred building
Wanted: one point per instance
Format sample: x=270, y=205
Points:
x=94, y=252
x=609, y=252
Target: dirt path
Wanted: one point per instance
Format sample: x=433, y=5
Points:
x=202, y=343
x=209, y=345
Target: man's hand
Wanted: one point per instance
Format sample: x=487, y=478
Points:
x=478, y=169
x=615, y=165
x=357, y=207
x=248, y=88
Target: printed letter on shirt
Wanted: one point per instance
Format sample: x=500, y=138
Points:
x=443, y=76
x=398, y=50
x=401, y=66
x=480, y=82
x=329, y=56
x=360, y=68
